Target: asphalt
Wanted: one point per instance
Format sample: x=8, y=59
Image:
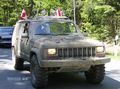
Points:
x=12, y=79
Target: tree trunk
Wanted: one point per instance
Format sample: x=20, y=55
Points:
x=31, y=4
x=78, y=16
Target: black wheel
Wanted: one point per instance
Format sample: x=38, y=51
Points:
x=19, y=64
x=95, y=74
x=39, y=76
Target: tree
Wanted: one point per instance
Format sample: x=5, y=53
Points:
x=100, y=18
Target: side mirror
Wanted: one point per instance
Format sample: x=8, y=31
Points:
x=24, y=35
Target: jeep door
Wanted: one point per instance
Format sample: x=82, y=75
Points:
x=25, y=41
x=16, y=39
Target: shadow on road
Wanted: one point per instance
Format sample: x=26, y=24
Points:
x=74, y=81
x=11, y=79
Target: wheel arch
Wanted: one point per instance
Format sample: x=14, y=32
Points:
x=36, y=53
x=31, y=54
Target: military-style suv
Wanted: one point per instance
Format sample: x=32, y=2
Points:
x=53, y=44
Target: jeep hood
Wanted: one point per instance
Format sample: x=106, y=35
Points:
x=67, y=41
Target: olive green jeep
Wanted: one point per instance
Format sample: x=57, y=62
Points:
x=54, y=45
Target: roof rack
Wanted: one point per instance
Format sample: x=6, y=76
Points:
x=50, y=17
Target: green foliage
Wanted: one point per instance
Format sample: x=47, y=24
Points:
x=100, y=18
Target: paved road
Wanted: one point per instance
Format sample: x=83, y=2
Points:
x=11, y=79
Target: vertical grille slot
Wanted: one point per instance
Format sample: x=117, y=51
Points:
x=89, y=52
x=60, y=52
x=93, y=52
x=74, y=52
x=70, y=52
x=65, y=52
x=84, y=52
x=79, y=52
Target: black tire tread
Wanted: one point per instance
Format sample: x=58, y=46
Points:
x=19, y=64
x=41, y=75
x=95, y=74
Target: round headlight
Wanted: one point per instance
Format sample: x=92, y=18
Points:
x=51, y=51
x=100, y=49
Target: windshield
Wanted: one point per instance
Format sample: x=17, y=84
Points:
x=6, y=30
x=57, y=28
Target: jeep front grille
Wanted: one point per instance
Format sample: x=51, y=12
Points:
x=76, y=52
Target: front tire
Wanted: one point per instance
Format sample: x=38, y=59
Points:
x=95, y=74
x=39, y=76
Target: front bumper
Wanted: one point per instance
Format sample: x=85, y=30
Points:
x=71, y=62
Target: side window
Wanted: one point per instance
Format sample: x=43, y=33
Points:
x=21, y=30
x=26, y=28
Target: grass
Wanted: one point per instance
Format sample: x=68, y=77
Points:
x=110, y=55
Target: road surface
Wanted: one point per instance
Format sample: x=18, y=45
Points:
x=12, y=79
